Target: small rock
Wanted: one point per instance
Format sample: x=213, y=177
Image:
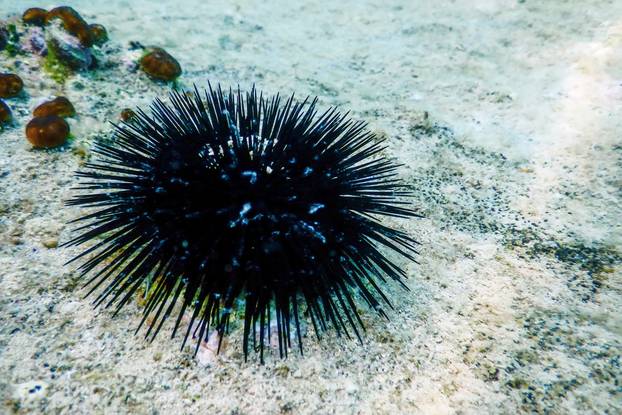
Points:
x=82, y=151
x=47, y=132
x=34, y=16
x=159, y=64
x=10, y=85
x=60, y=106
x=50, y=243
x=135, y=45
x=5, y=113
x=72, y=22
x=4, y=38
x=68, y=49
x=34, y=41
x=208, y=350
x=99, y=34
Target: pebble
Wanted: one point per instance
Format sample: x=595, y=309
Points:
x=4, y=38
x=208, y=350
x=60, y=106
x=10, y=85
x=50, y=243
x=35, y=16
x=5, y=113
x=159, y=64
x=47, y=132
x=72, y=22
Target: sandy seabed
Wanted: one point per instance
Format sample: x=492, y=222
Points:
x=507, y=116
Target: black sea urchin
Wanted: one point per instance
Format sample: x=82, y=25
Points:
x=242, y=202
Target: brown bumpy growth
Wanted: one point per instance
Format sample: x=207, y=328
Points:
x=35, y=16
x=59, y=106
x=73, y=23
x=10, y=85
x=159, y=64
x=47, y=132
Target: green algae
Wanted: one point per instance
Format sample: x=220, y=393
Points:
x=55, y=67
x=12, y=47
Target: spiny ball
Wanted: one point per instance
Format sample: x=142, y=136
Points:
x=235, y=203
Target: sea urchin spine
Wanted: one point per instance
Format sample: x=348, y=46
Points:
x=240, y=202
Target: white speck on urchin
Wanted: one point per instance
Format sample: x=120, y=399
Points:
x=315, y=207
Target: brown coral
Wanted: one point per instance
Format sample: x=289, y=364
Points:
x=10, y=85
x=47, y=132
x=59, y=106
x=159, y=64
x=73, y=23
x=35, y=16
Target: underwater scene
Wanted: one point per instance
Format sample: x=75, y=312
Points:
x=310, y=207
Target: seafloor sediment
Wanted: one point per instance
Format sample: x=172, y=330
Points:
x=506, y=117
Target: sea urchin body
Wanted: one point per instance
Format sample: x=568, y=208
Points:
x=233, y=201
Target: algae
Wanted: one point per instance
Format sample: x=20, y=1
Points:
x=55, y=67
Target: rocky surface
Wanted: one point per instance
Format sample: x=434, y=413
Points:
x=506, y=118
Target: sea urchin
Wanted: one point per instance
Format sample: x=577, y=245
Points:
x=238, y=202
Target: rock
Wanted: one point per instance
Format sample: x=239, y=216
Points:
x=159, y=64
x=50, y=243
x=208, y=350
x=82, y=151
x=68, y=49
x=34, y=16
x=4, y=38
x=136, y=45
x=72, y=22
x=5, y=113
x=34, y=41
x=10, y=85
x=60, y=106
x=47, y=132
x=99, y=34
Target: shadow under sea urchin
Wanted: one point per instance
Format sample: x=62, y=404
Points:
x=239, y=197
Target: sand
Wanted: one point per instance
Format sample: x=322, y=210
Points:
x=506, y=116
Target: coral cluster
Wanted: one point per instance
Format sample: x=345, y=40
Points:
x=48, y=128
x=67, y=44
